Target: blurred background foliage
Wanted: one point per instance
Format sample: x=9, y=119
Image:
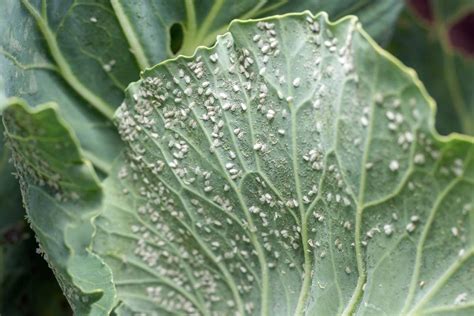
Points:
x=435, y=37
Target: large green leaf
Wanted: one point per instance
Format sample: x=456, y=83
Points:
x=82, y=53
x=447, y=72
x=290, y=169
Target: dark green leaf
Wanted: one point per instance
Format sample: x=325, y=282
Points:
x=62, y=194
x=81, y=54
x=447, y=71
x=68, y=67
x=147, y=24
x=11, y=211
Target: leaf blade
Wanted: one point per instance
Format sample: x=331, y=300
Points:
x=181, y=180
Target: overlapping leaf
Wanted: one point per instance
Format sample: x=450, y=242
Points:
x=82, y=54
x=62, y=195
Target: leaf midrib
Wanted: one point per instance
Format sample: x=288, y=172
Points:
x=64, y=68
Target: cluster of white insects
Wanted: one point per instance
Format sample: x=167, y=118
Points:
x=210, y=141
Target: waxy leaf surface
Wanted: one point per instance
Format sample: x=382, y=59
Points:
x=292, y=168
x=81, y=54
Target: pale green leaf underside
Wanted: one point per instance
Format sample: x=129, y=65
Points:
x=292, y=168
x=90, y=53
x=292, y=172
x=446, y=72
